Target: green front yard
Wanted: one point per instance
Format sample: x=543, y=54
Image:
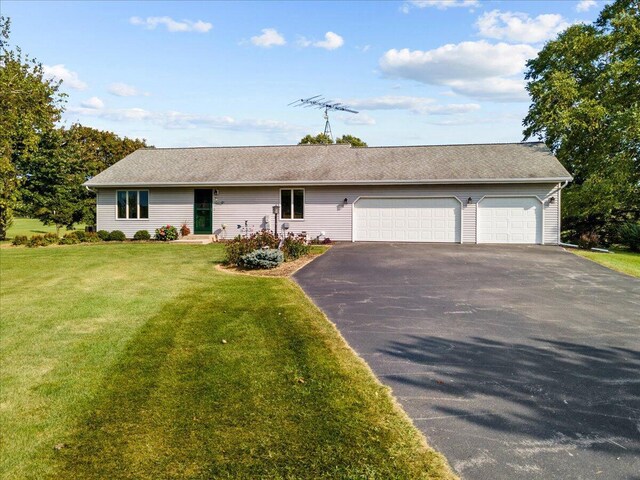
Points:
x=32, y=226
x=625, y=262
x=144, y=361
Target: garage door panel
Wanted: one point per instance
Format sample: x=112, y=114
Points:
x=509, y=220
x=414, y=219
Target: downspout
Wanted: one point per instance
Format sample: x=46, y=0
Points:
x=559, y=209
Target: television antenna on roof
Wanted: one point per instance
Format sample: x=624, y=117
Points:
x=322, y=104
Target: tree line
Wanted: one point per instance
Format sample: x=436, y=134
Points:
x=585, y=105
x=42, y=164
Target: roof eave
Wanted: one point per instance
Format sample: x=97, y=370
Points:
x=278, y=183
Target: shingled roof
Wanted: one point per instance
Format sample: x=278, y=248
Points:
x=334, y=164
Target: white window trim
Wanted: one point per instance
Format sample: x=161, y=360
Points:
x=304, y=204
x=137, y=205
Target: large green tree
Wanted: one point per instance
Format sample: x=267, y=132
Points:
x=322, y=139
x=30, y=106
x=585, y=92
x=52, y=187
x=99, y=149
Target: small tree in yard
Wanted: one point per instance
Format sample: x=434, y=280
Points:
x=53, y=186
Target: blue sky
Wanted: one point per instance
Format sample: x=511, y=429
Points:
x=218, y=73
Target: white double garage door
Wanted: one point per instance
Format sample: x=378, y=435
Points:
x=439, y=219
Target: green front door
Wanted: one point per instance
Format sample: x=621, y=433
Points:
x=202, y=211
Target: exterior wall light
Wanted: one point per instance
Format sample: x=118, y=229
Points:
x=469, y=200
x=345, y=201
x=276, y=212
x=552, y=200
x=216, y=192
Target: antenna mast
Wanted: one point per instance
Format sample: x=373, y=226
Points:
x=323, y=104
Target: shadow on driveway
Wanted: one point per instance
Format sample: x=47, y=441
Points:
x=516, y=362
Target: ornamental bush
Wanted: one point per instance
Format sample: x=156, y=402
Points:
x=588, y=240
x=166, y=233
x=629, y=236
x=20, y=240
x=91, y=237
x=80, y=234
x=104, y=235
x=117, y=236
x=295, y=247
x=37, y=241
x=239, y=246
x=262, y=259
x=142, y=235
x=50, y=238
x=69, y=239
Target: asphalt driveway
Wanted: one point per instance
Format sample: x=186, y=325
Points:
x=515, y=361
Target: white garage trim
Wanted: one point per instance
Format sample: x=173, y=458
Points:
x=395, y=197
x=541, y=226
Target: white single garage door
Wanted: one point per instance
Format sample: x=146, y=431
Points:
x=407, y=220
x=509, y=220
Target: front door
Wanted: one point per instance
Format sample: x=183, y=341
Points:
x=202, y=211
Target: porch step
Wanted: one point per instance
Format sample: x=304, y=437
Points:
x=196, y=239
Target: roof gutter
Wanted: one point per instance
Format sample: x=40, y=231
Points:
x=331, y=182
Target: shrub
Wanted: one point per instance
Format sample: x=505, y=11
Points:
x=239, y=246
x=50, y=238
x=166, y=233
x=91, y=237
x=295, y=247
x=327, y=241
x=20, y=240
x=184, y=230
x=142, y=235
x=69, y=239
x=588, y=240
x=629, y=236
x=264, y=238
x=262, y=258
x=36, y=241
x=117, y=236
x=104, y=235
x=80, y=235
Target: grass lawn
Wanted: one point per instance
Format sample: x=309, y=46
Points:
x=625, y=262
x=32, y=226
x=114, y=366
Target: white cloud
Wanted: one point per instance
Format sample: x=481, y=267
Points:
x=439, y=4
x=331, y=41
x=421, y=105
x=69, y=78
x=182, y=120
x=478, y=69
x=120, y=89
x=93, y=102
x=269, y=38
x=303, y=42
x=585, y=5
x=519, y=27
x=172, y=25
x=359, y=119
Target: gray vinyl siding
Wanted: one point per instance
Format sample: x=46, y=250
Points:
x=166, y=206
x=325, y=210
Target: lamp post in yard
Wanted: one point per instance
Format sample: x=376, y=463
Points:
x=276, y=211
